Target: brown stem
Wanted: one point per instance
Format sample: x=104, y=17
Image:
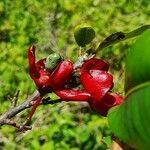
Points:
x=118, y=145
x=5, y=119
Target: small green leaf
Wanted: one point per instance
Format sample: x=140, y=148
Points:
x=84, y=34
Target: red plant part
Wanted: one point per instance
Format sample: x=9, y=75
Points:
x=108, y=101
x=96, y=81
x=61, y=75
x=51, y=79
x=95, y=63
x=47, y=81
x=73, y=95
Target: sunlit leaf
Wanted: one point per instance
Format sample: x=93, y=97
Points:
x=130, y=121
x=138, y=62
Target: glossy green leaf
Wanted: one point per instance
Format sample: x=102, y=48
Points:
x=138, y=62
x=130, y=121
x=84, y=34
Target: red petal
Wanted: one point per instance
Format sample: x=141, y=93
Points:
x=62, y=73
x=41, y=64
x=31, y=55
x=109, y=100
x=73, y=95
x=94, y=63
x=32, y=67
x=97, y=83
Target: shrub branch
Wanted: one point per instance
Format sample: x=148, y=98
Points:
x=6, y=118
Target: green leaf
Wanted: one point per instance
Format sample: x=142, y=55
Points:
x=121, y=36
x=138, y=62
x=130, y=121
x=84, y=34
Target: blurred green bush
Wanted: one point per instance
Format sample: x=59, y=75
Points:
x=49, y=25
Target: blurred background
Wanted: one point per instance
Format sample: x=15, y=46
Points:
x=49, y=25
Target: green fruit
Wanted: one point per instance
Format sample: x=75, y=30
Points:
x=84, y=34
x=52, y=60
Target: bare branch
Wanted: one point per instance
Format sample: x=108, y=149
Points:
x=81, y=60
x=15, y=110
x=6, y=118
x=22, y=128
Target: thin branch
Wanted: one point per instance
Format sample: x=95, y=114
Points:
x=6, y=118
x=81, y=60
x=15, y=98
x=15, y=110
x=47, y=101
x=22, y=128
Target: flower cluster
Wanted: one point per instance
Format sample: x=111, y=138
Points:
x=98, y=82
x=94, y=78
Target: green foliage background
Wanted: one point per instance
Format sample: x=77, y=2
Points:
x=49, y=25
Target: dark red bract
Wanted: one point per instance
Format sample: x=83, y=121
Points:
x=97, y=82
x=108, y=101
x=95, y=63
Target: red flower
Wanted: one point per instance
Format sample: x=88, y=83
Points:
x=48, y=80
x=96, y=81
